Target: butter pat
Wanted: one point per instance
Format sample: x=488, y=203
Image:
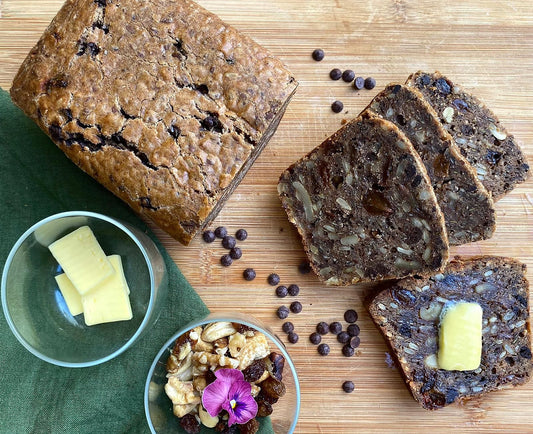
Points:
x=82, y=259
x=460, y=337
x=109, y=301
x=70, y=294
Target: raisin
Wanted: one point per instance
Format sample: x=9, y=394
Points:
x=254, y=372
x=190, y=424
x=210, y=376
x=427, y=386
x=242, y=328
x=250, y=427
x=375, y=203
x=460, y=104
x=416, y=181
x=467, y=129
x=525, y=352
x=264, y=408
x=493, y=157
x=405, y=330
x=443, y=86
x=404, y=296
x=451, y=395
x=273, y=388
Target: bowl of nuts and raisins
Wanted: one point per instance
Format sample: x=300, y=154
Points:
x=224, y=373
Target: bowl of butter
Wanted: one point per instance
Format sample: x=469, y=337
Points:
x=79, y=288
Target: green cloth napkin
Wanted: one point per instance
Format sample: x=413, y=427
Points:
x=37, y=180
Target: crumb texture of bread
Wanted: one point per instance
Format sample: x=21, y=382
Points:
x=408, y=315
x=467, y=206
x=486, y=144
x=364, y=206
x=161, y=102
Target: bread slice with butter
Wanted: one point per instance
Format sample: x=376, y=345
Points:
x=412, y=316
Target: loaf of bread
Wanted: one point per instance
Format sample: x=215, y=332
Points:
x=408, y=315
x=364, y=206
x=161, y=102
x=467, y=206
x=485, y=143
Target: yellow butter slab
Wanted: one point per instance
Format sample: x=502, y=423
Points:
x=116, y=261
x=460, y=337
x=109, y=301
x=70, y=294
x=82, y=259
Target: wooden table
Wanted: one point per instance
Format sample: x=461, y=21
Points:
x=486, y=45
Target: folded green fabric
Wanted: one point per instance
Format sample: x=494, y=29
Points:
x=37, y=180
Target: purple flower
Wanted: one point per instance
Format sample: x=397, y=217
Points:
x=231, y=393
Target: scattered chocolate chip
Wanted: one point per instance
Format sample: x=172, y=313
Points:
x=348, y=76
x=348, y=386
x=304, y=267
x=249, y=274
x=241, y=234
x=273, y=279
x=287, y=327
x=350, y=316
x=359, y=83
x=228, y=242
x=443, y=87
x=353, y=330
x=335, y=74
x=370, y=83
x=425, y=79
x=293, y=337
x=226, y=260
x=315, y=338
x=323, y=349
x=335, y=327
x=348, y=351
x=221, y=232
x=337, y=106
x=296, y=307
x=355, y=341
x=318, y=54
x=322, y=328
x=283, y=312
x=235, y=253
x=343, y=337
x=294, y=290
x=208, y=236
x=281, y=291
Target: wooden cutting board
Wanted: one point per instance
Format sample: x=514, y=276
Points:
x=487, y=45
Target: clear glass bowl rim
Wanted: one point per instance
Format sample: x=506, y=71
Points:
x=7, y=265
x=231, y=317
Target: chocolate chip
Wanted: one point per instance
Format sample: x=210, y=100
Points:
x=335, y=327
x=343, y=337
x=241, y=234
x=249, y=274
x=323, y=349
x=350, y=316
x=335, y=74
x=287, y=327
x=353, y=330
x=208, y=236
x=370, y=83
x=322, y=328
x=348, y=386
x=443, y=86
x=337, y=106
x=226, y=260
x=304, y=267
x=273, y=279
x=315, y=338
x=228, y=242
x=359, y=83
x=281, y=291
x=425, y=80
x=493, y=157
x=355, y=341
x=348, y=351
x=296, y=307
x=282, y=312
x=221, y=232
x=318, y=54
x=235, y=253
x=294, y=290
x=174, y=131
x=293, y=337
x=348, y=76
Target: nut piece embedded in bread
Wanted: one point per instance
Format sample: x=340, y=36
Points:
x=408, y=315
x=364, y=206
x=161, y=102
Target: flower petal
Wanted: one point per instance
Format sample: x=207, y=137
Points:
x=229, y=375
x=245, y=405
x=215, y=395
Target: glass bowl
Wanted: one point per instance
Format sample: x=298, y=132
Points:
x=36, y=310
x=158, y=407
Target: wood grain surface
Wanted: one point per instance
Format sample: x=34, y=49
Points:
x=486, y=45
